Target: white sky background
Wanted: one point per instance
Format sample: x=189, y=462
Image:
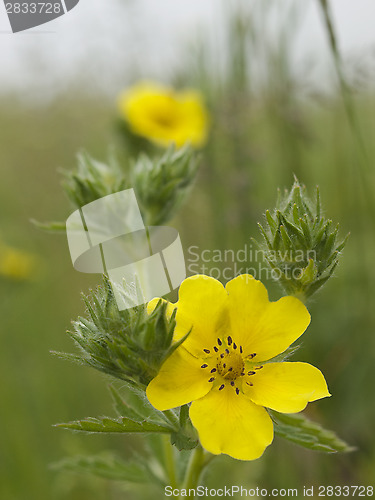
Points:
x=103, y=41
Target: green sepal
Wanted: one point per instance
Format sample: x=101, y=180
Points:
x=186, y=438
x=302, y=431
x=183, y=442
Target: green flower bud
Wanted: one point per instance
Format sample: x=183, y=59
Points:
x=161, y=185
x=130, y=345
x=300, y=245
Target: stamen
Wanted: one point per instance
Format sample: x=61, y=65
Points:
x=211, y=379
x=213, y=370
x=258, y=367
x=241, y=350
x=230, y=369
x=215, y=349
x=224, y=365
x=251, y=356
x=237, y=391
x=207, y=351
x=249, y=383
x=221, y=387
x=219, y=342
x=221, y=355
x=204, y=366
x=251, y=373
x=227, y=351
x=232, y=383
x=229, y=340
x=234, y=346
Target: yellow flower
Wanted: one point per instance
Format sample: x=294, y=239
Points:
x=223, y=368
x=15, y=264
x=164, y=115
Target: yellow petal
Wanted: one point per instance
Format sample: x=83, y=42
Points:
x=202, y=306
x=287, y=387
x=263, y=327
x=180, y=381
x=231, y=424
x=154, y=302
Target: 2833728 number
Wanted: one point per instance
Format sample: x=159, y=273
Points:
x=33, y=8
x=345, y=491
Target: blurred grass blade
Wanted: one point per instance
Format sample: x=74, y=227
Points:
x=51, y=227
x=109, y=467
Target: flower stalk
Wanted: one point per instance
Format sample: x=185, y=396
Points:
x=194, y=469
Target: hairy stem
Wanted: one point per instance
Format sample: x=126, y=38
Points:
x=198, y=461
x=170, y=461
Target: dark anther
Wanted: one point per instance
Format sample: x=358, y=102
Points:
x=219, y=342
x=249, y=383
x=230, y=369
x=229, y=340
x=215, y=348
x=211, y=379
x=241, y=350
x=251, y=356
x=213, y=370
x=224, y=365
x=251, y=373
x=232, y=383
x=207, y=351
x=234, y=345
x=227, y=351
x=221, y=387
x=258, y=367
x=204, y=366
x=221, y=355
x=237, y=391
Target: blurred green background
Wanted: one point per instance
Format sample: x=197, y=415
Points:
x=265, y=126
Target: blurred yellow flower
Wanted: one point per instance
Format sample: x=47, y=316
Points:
x=165, y=116
x=223, y=366
x=16, y=264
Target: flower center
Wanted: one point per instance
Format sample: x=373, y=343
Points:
x=230, y=366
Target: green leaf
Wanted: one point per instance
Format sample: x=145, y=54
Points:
x=298, y=429
x=110, y=425
x=109, y=467
x=122, y=408
x=137, y=400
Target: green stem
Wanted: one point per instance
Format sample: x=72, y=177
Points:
x=172, y=417
x=170, y=461
x=198, y=461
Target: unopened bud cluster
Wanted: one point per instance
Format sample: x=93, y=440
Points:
x=300, y=244
x=130, y=345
